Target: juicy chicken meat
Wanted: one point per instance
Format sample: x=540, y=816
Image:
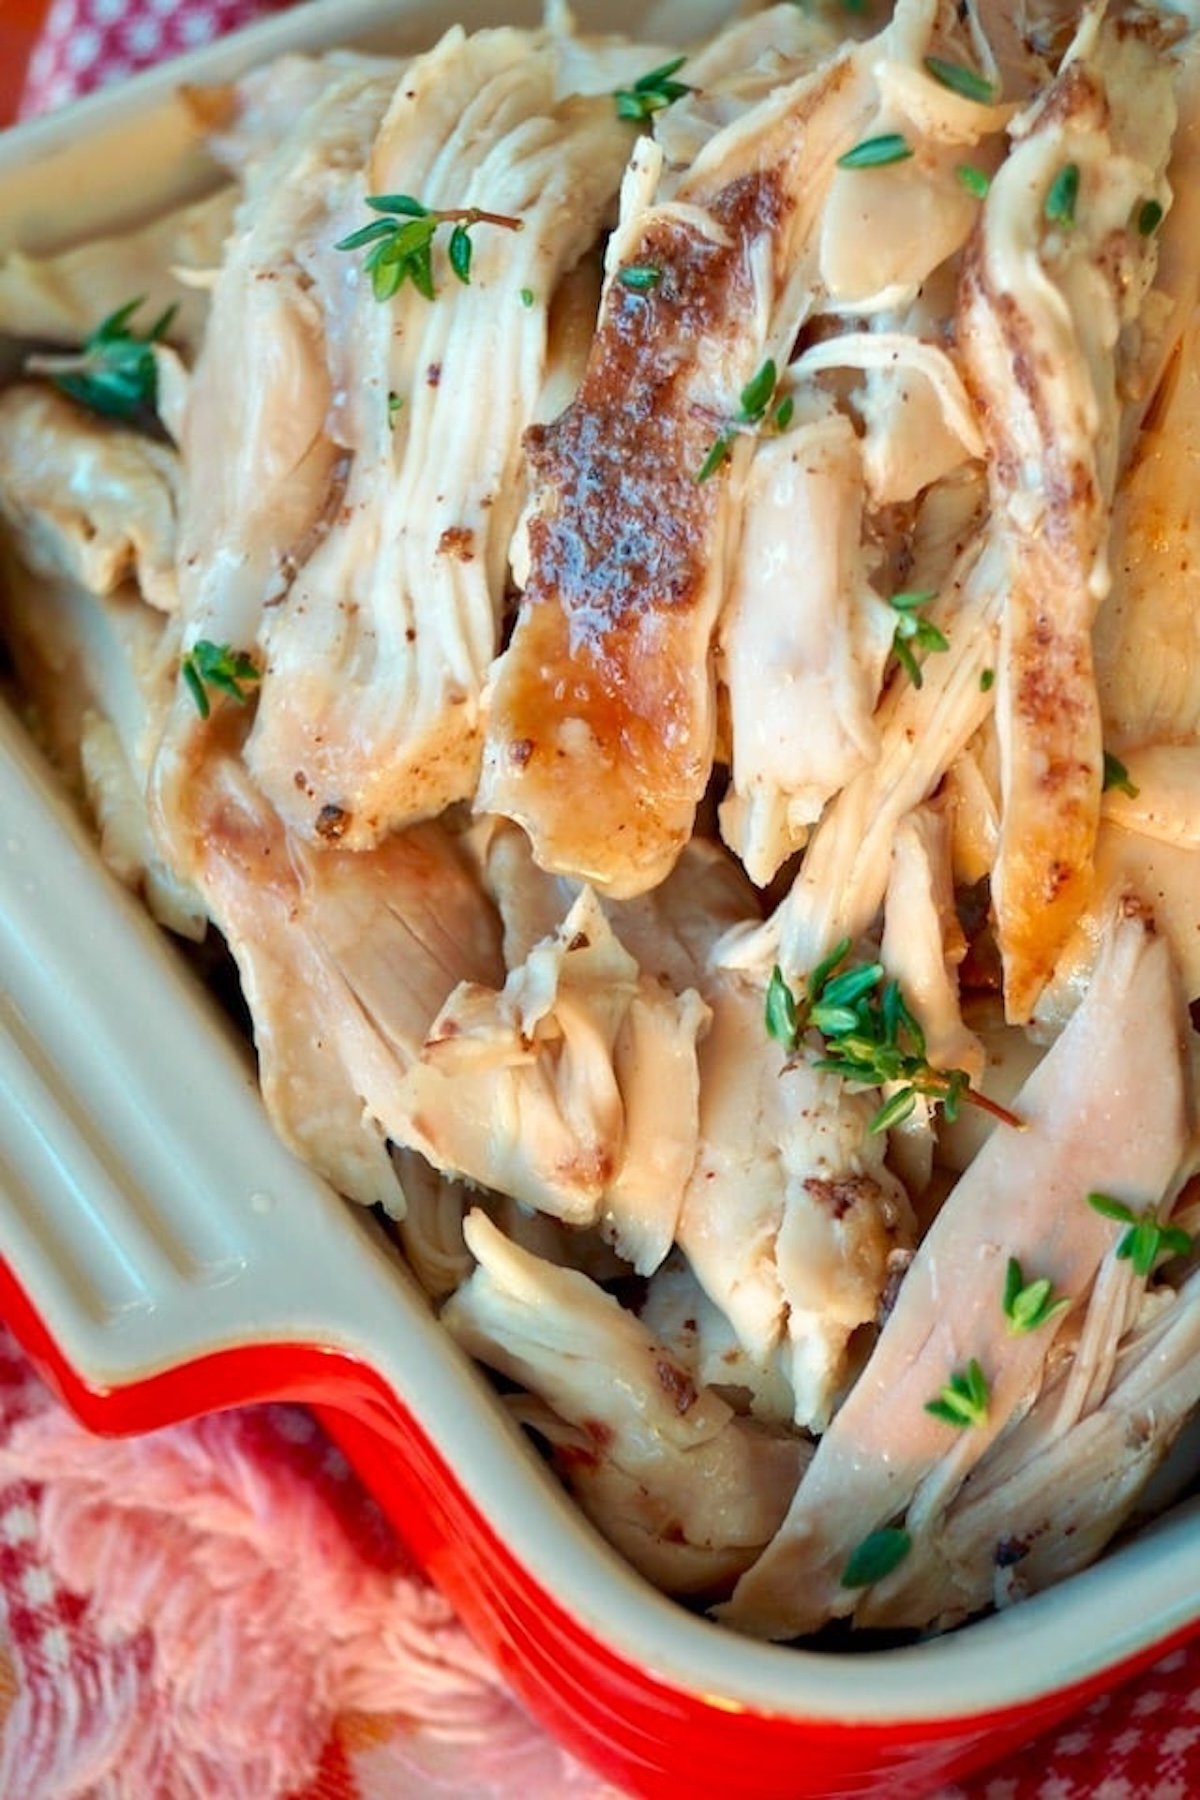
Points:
x=344, y=963
x=87, y=499
x=606, y=687
x=369, y=713
x=679, y=1314
x=844, y=874
x=802, y=644
x=1147, y=636
x=923, y=942
x=574, y=1089
x=99, y=672
x=1093, y=1122
x=669, y=932
x=685, y=1488
x=1051, y=1495
x=1042, y=309
x=245, y=124
x=790, y=1219
x=258, y=434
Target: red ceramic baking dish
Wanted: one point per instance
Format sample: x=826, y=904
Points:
x=164, y=1256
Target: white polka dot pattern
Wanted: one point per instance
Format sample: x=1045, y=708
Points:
x=88, y=44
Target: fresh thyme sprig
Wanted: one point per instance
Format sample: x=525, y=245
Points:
x=1146, y=1239
x=114, y=373
x=217, y=666
x=400, y=244
x=755, y=403
x=876, y=1556
x=1029, y=1305
x=652, y=92
x=914, y=632
x=869, y=1038
x=964, y=1399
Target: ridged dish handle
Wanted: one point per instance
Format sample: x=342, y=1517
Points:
x=146, y=1208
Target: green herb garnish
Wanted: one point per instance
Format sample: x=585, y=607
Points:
x=400, y=245
x=650, y=93
x=1116, y=775
x=987, y=681
x=640, y=278
x=114, y=373
x=869, y=1038
x=964, y=1399
x=1150, y=217
x=754, y=405
x=977, y=184
x=526, y=296
x=960, y=80
x=1061, y=197
x=1147, y=1239
x=914, y=632
x=217, y=666
x=877, y=152
x=877, y=1555
x=1028, y=1305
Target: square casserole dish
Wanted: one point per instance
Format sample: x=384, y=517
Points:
x=163, y=1255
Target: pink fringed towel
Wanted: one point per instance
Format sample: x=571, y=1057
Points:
x=217, y=1610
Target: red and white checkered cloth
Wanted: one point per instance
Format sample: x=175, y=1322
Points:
x=235, y=1570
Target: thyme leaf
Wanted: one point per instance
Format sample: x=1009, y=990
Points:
x=640, y=278
x=1029, y=1305
x=1116, y=775
x=877, y=152
x=217, y=666
x=114, y=372
x=1150, y=217
x=1146, y=1239
x=755, y=402
x=876, y=1556
x=869, y=1037
x=1061, y=197
x=963, y=1401
x=652, y=92
x=974, y=180
x=399, y=245
x=914, y=632
x=960, y=80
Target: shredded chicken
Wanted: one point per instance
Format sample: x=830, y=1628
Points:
x=1092, y=1123
x=85, y=498
x=682, y=1485
x=684, y=714
x=606, y=685
x=370, y=705
x=1043, y=307
x=574, y=1089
